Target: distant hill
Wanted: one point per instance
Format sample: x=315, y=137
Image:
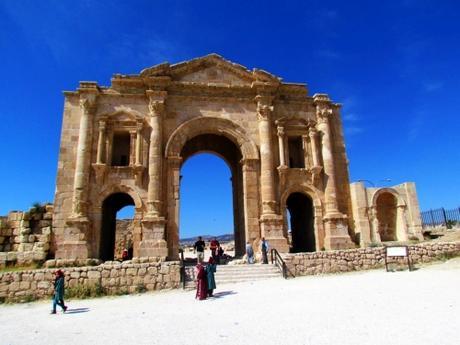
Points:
x=207, y=238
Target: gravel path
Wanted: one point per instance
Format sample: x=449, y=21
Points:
x=420, y=307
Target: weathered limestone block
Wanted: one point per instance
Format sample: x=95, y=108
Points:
x=14, y=286
x=75, y=274
x=131, y=271
x=4, y=288
x=152, y=270
x=164, y=269
x=39, y=256
x=94, y=275
x=24, y=285
x=46, y=231
x=11, y=256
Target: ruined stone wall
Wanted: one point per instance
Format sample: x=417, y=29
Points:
x=123, y=236
x=112, y=277
x=25, y=236
x=364, y=258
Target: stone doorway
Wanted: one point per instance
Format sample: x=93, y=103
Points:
x=386, y=214
x=300, y=208
x=224, y=148
x=110, y=206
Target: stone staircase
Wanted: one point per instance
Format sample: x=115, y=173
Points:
x=227, y=274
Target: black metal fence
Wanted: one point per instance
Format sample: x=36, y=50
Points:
x=441, y=217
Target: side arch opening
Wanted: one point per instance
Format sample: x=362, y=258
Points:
x=386, y=214
x=301, y=223
x=110, y=206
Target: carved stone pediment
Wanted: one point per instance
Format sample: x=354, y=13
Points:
x=215, y=75
x=210, y=69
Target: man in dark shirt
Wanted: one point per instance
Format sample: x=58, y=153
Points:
x=199, y=249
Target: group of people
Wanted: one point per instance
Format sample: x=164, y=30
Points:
x=205, y=281
x=217, y=251
x=264, y=246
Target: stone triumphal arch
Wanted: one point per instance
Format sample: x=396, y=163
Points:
x=125, y=144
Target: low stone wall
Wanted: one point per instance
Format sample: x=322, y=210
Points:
x=364, y=258
x=112, y=277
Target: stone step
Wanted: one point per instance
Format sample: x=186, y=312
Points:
x=243, y=279
x=227, y=274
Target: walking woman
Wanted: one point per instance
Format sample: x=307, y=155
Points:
x=58, y=298
x=210, y=270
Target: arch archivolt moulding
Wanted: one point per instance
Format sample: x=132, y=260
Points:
x=211, y=125
x=117, y=188
x=315, y=194
x=400, y=200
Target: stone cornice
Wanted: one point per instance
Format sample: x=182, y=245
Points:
x=322, y=99
x=166, y=77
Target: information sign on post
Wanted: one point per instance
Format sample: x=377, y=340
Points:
x=397, y=252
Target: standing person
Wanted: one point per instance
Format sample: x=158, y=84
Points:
x=264, y=247
x=210, y=270
x=124, y=254
x=213, y=246
x=201, y=282
x=58, y=298
x=199, y=249
x=249, y=253
x=220, y=254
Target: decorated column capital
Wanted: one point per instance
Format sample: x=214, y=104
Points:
x=312, y=132
x=280, y=131
x=324, y=114
x=102, y=125
x=88, y=103
x=157, y=101
x=264, y=106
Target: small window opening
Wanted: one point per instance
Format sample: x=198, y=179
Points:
x=121, y=149
x=296, y=153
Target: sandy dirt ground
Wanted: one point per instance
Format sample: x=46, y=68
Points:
x=374, y=307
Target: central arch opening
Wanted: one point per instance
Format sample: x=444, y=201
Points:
x=386, y=215
x=110, y=207
x=231, y=185
x=300, y=209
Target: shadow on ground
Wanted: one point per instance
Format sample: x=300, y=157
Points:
x=77, y=310
x=223, y=294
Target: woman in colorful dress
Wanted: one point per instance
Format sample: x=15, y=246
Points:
x=201, y=282
x=210, y=270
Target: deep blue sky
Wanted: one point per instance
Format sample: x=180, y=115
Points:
x=393, y=64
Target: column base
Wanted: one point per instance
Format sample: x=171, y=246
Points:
x=72, y=250
x=153, y=238
x=271, y=228
x=74, y=243
x=336, y=230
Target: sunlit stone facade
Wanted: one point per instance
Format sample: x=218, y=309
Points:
x=125, y=144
